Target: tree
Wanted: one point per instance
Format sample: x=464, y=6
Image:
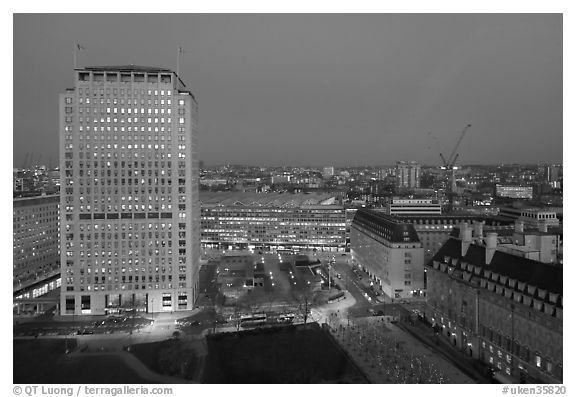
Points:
x=175, y=358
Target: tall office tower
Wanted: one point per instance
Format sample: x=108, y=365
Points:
x=129, y=197
x=408, y=174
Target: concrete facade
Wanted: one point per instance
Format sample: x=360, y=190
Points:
x=129, y=196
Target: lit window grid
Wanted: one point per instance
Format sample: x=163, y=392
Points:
x=107, y=198
x=279, y=226
x=35, y=240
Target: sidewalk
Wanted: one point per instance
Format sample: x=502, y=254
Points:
x=439, y=344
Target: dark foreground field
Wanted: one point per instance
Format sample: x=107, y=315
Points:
x=293, y=354
x=44, y=361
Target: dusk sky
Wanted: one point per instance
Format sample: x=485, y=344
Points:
x=318, y=89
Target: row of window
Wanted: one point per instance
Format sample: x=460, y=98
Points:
x=121, y=91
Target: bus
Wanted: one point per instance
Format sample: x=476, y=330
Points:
x=253, y=319
x=286, y=318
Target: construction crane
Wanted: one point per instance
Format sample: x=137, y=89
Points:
x=449, y=164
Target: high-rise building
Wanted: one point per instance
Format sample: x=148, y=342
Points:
x=130, y=221
x=408, y=174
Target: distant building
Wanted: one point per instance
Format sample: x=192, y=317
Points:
x=281, y=178
x=328, y=172
x=390, y=251
x=552, y=173
x=402, y=206
x=232, y=220
x=514, y=191
x=213, y=182
x=434, y=230
x=36, y=249
x=407, y=174
x=532, y=216
x=503, y=309
x=130, y=222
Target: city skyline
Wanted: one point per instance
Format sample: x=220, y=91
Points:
x=289, y=89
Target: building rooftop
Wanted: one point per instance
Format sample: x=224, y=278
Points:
x=35, y=200
x=127, y=68
x=541, y=275
x=390, y=227
x=247, y=199
x=489, y=220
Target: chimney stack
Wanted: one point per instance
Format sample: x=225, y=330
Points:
x=466, y=237
x=518, y=226
x=542, y=226
x=491, y=243
x=478, y=229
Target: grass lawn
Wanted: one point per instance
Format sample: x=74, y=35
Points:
x=293, y=354
x=44, y=361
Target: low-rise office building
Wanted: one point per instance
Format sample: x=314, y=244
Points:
x=234, y=220
x=503, y=309
x=400, y=206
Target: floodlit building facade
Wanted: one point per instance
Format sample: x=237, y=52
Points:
x=503, y=309
x=403, y=206
x=390, y=251
x=129, y=192
x=232, y=220
x=36, y=248
x=514, y=191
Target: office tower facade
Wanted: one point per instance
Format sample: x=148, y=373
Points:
x=36, y=255
x=130, y=215
x=408, y=174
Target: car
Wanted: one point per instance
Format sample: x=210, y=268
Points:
x=372, y=312
x=339, y=275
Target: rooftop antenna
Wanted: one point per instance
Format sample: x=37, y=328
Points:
x=77, y=47
x=180, y=51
